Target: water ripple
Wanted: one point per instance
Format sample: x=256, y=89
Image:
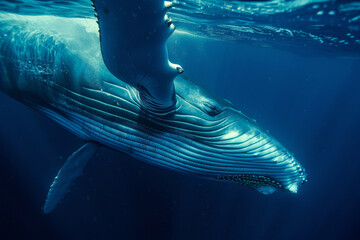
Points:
x=304, y=25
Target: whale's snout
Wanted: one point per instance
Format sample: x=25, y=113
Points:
x=293, y=187
x=253, y=157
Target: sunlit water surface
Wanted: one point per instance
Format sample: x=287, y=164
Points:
x=296, y=25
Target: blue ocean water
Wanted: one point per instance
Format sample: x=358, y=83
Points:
x=294, y=66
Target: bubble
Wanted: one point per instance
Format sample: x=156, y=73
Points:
x=320, y=13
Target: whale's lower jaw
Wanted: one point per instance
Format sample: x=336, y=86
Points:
x=175, y=153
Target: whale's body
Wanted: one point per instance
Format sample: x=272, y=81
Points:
x=55, y=66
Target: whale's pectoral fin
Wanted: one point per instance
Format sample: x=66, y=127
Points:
x=133, y=37
x=71, y=170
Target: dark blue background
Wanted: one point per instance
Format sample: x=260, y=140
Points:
x=310, y=103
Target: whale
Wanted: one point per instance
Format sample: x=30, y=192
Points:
x=118, y=89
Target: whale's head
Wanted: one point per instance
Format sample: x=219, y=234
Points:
x=209, y=137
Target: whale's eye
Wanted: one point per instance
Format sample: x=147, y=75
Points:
x=211, y=109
